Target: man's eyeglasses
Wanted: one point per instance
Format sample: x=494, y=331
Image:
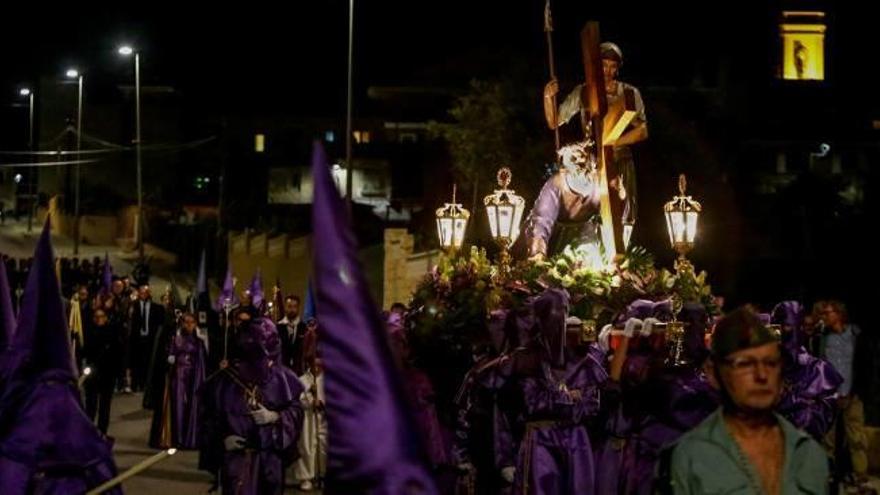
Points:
x=750, y=365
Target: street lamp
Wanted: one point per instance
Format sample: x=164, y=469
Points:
x=74, y=74
x=26, y=92
x=452, y=221
x=504, y=209
x=127, y=50
x=682, y=213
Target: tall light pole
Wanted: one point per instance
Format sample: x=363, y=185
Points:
x=30, y=95
x=348, y=131
x=74, y=74
x=139, y=227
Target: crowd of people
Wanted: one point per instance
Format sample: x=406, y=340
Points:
x=194, y=363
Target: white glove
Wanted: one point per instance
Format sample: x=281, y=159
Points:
x=466, y=467
x=234, y=442
x=602, y=340
x=171, y=359
x=632, y=326
x=648, y=327
x=263, y=416
x=508, y=473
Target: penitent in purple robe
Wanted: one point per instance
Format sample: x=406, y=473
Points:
x=257, y=468
x=653, y=405
x=556, y=396
x=810, y=383
x=47, y=444
x=187, y=377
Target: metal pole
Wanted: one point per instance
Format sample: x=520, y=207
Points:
x=79, y=110
x=140, y=215
x=33, y=170
x=349, y=176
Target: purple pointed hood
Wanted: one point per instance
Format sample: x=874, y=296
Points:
x=227, y=293
x=7, y=314
x=202, y=279
x=107, y=282
x=42, y=341
x=374, y=446
x=551, y=311
x=256, y=289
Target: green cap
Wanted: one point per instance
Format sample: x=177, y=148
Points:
x=741, y=329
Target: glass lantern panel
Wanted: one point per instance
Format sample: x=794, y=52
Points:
x=444, y=230
x=492, y=214
x=505, y=221
x=458, y=234
x=692, y=225
x=678, y=226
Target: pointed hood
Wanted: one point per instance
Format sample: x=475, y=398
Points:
x=108, y=275
x=202, y=279
x=7, y=314
x=256, y=289
x=41, y=342
x=227, y=293
x=375, y=446
x=309, y=309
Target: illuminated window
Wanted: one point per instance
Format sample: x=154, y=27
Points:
x=260, y=143
x=803, y=45
x=361, y=137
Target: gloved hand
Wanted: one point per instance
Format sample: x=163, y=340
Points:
x=171, y=359
x=465, y=467
x=263, y=416
x=508, y=473
x=649, y=327
x=234, y=442
x=632, y=326
x=604, y=335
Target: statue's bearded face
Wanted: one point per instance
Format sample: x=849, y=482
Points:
x=577, y=158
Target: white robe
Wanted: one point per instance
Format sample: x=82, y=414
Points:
x=312, y=463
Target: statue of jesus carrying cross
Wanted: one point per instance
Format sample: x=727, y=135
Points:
x=611, y=119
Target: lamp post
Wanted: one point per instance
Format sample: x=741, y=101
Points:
x=74, y=74
x=504, y=209
x=452, y=221
x=26, y=92
x=126, y=50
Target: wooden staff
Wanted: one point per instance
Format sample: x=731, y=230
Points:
x=548, y=31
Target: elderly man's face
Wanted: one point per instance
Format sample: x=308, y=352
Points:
x=753, y=377
x=144, y=293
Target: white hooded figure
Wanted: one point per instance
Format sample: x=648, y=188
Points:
x=311, y=466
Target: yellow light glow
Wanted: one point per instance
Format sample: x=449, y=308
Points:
x=260, y=143
x=803, y=46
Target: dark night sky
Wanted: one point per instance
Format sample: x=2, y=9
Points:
x=259, y=54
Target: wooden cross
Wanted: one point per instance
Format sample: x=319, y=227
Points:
x=604, y=125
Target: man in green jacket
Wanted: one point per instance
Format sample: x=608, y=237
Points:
x=745, y=447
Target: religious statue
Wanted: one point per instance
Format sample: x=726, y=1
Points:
x=567, y=207
x=611, y=120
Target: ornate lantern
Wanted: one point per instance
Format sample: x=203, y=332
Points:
x=682, y=214
x=504, y=209
x=452, y=221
